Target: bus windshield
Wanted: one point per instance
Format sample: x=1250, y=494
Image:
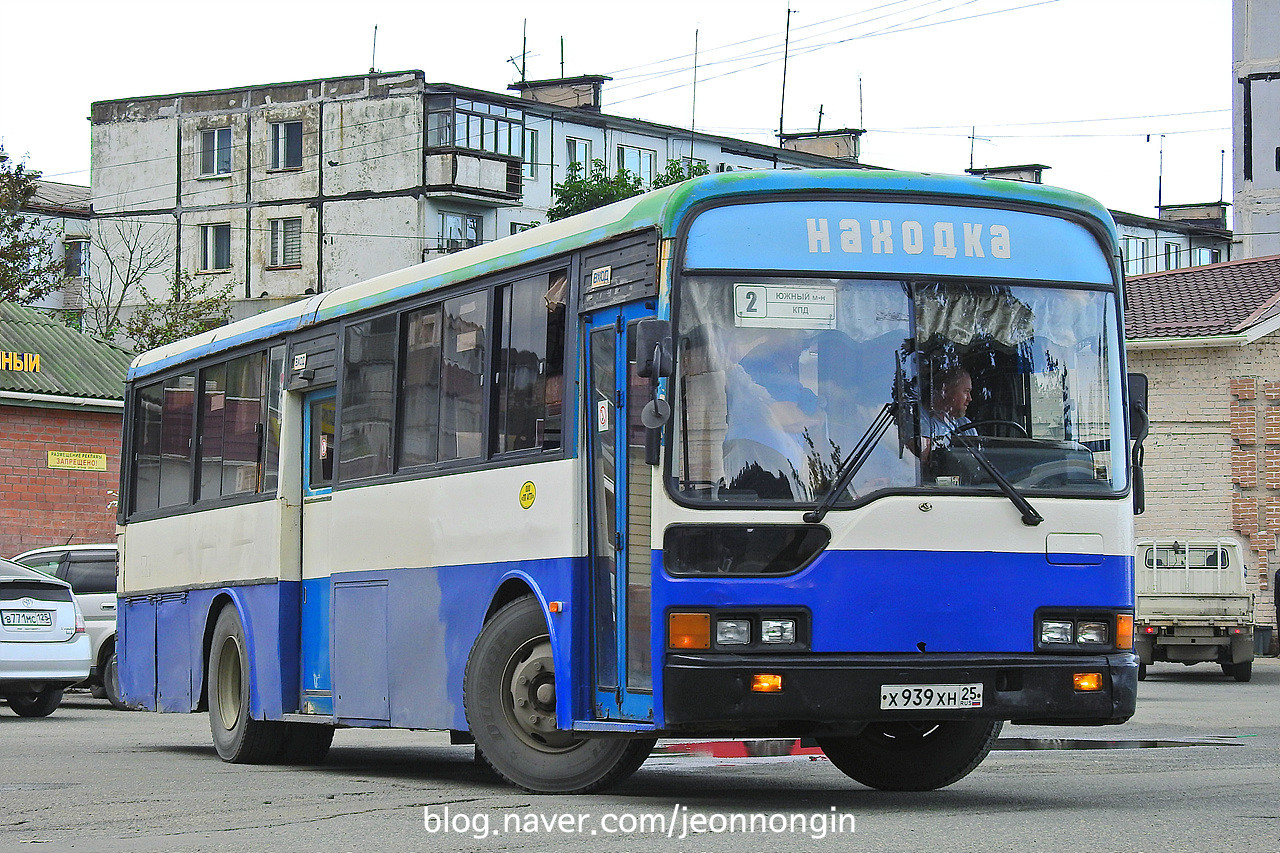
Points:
x=780, y=379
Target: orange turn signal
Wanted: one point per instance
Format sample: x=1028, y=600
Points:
x=1124, y=631
x=689, y=631
x=765, y=683
x=1087, y=682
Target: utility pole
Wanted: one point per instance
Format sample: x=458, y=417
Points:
x=786, y=50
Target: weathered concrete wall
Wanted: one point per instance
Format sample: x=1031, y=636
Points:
x=1256, y=69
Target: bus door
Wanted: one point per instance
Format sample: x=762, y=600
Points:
x=619, y=489
x=318, y=453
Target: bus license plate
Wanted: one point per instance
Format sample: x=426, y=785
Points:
x=927, y=697
x=27, y=618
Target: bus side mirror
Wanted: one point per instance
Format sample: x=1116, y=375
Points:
x=652, y=355
x=1139, y=426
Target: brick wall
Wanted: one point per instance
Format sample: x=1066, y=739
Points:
x=1213, y=456
x=49, y=506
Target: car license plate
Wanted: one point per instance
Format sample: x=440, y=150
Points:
x=929, y=697
x=26, y=618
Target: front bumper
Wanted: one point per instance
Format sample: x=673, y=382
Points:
x=837, y=692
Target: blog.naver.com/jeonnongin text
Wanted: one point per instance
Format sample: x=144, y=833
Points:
x=677, y=823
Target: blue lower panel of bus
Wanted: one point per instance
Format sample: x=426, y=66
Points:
x=372, y=648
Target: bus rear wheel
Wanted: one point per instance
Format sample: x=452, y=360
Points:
x=239, y=738
x=913, y=755
x=509, y=695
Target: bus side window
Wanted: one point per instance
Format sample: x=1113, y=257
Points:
x=530, y=363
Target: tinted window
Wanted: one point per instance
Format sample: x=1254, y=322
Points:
x=92, y=573
x=368, y=398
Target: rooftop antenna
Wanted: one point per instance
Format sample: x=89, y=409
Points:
x=1222, y=176
x=786, y=50
x=820, y=108
x=693, y=113
x=861, y=123
x=561, y=57
x=524, y=53
x=373, y=58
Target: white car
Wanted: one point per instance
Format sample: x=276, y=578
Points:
x=44, y=646
x=91, y=571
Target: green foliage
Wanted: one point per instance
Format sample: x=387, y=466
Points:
x=28, y=266
x=192, y=306
x=580, y=193
x=676, y=172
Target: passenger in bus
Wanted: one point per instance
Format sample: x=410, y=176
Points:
x=944, y=416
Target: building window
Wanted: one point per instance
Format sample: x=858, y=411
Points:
x=215, y=151
x=459, y=231
x=286, y=145
x=215, y=247
x=517, y=227
x=1172, y=256
x=1134, y=250
x=530, y=167
x=475, y=125
x=1204, y=255
x=75, y=258
x=637, y=161
x=286, y=242
x=578, y=151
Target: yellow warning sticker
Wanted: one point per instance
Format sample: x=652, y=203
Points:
x=527, y=493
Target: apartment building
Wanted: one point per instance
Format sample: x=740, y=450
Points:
x=294, y=188
x=1255, y=109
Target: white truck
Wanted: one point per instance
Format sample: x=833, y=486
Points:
x=1193, y=605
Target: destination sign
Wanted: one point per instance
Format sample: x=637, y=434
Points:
x=784, y=306
x=895, y=238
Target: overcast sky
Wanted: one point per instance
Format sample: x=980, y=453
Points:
x=1090, y=88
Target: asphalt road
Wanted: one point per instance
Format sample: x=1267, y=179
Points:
x=1198, y=769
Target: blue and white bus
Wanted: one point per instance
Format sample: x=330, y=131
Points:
x=830, y=454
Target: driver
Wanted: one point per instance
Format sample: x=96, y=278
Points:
x=945, y=415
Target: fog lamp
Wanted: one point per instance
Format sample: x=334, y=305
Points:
x=733, y=632
x=766, y=683
x=1055, y=631
x=777, y=630
x=1091, y=632
x=1087, y=682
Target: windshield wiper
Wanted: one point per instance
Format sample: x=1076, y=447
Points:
x=852, y=463
x=1029, y=515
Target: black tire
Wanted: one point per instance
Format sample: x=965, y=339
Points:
x=527, y=750
x=238, y=738
x=1142, y=671
x=42, y=703
x=111, y=681
x=1242, y=671
x=306, y=743
x=914, y=755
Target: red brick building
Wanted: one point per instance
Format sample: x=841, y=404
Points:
x=61, y=402
x=1208, y=339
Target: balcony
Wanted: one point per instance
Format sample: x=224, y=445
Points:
x=474, y=176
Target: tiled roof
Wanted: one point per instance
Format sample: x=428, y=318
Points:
x=71, y=364
x=1217, y=299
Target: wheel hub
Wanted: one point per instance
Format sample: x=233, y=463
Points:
x=533, y=697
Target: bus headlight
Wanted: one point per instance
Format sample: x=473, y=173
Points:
x=1092, y=632
x=733, y=632
x=778, y=631
x=1054, y=631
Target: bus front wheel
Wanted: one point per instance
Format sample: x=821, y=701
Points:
x=239, y=738
x=914, y=755
x=509, y=695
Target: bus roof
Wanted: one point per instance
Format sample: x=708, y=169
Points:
x=663, y=208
